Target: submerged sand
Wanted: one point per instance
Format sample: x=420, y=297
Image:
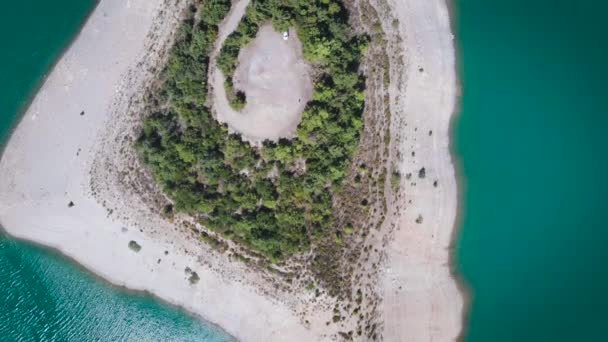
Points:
x=56, y=156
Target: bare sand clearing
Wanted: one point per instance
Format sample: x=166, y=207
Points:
x=276, y=80
x=57, y=156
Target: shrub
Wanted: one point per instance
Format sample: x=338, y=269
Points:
x=134, y=246
x=194, y=278
x=422, y=173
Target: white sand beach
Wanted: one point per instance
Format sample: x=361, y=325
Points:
x=64, y=169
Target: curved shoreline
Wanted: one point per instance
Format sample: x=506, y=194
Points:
x=38, y=84
x=464, y=287
x=114, y=286
x=60, y=228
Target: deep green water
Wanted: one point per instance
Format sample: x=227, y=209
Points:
x=532, y=141
x=43, y=296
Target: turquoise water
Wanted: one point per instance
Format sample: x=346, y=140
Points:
x=532, y=142
x=43, y=296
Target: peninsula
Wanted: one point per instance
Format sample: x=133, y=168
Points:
x=278, y=168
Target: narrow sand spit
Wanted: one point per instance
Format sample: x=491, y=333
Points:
x=57, y=156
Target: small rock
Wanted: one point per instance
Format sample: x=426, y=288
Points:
x=422, y=173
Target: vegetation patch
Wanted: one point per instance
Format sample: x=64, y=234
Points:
x=277, y=198
x=134, y=246
x=194, y=278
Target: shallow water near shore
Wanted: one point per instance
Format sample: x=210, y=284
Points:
x=44, y=296
x=531, y=142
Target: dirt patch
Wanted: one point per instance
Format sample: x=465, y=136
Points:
x=277, y=82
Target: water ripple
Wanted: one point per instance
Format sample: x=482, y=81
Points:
x=44, y=297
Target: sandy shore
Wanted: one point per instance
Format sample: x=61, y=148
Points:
x=69, y=148
x=421, y=299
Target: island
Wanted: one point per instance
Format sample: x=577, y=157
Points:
x=278, y=168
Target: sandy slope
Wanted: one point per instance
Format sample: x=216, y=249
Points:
x=56, y=154
x=421, y=300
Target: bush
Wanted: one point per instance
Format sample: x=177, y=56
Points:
x=236, y=99
x=134, y=246
x=395, y=180
x=422, y=173
x=194, y=278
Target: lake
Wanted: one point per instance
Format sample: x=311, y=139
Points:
x=531, y=142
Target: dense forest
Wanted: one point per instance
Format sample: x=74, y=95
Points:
x=276, y=199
